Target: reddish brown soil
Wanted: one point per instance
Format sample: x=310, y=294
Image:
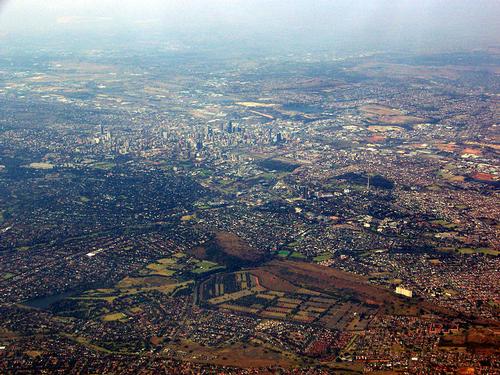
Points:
x=234, y=246
x=271, y=281
x=484, y=176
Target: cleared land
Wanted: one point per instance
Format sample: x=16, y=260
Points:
x=378, y=114
x=240, y=355
x=228, y=249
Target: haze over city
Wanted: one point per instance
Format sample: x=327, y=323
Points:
x=249, y=187
x=321, y=24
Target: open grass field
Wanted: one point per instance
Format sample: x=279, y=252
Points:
x=237, y=308
x=379, y=110
x=113, y=317
x=384, y=128
x=444, y=223
x=41, y=166
x=7, y=276
x=85, y=342
x=322, y=257
x=160, y=269
x=238, y=355
x=166, y=285
x=144, y=282
x=449, y=176
x=256, y=105
x=389, y=116
x=205, y=266
x=469, y=250
x=96, y=297
x=167, y=261
x=484, y=251
x=297, y=255
x=105, y=166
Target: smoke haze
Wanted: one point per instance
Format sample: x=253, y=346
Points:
x=374, y=24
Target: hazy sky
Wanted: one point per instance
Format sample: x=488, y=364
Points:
x=372, y=23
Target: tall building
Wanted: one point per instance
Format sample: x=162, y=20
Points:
x=279, y=138
x=305, y=192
